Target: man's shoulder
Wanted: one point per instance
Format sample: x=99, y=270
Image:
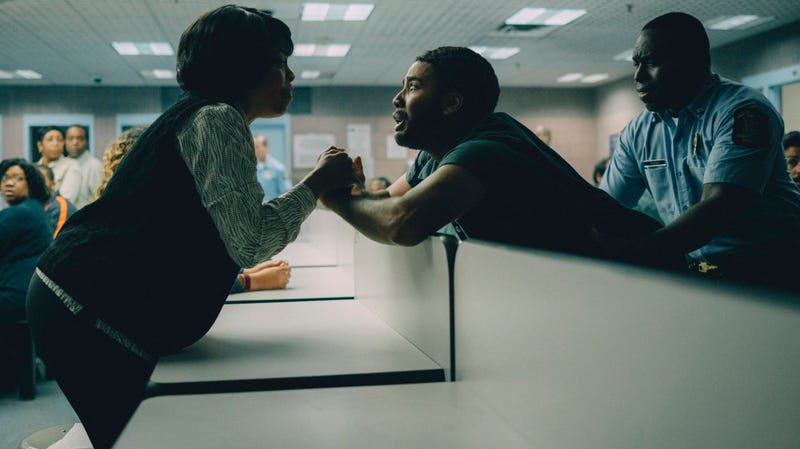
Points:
x=730, y=94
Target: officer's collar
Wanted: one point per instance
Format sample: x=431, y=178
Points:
x=699, y=105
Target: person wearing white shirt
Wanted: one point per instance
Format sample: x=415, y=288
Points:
x=91, y=168
x=50, y=143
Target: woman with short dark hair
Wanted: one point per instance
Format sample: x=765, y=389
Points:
x=66, y=171
x=25, y=233
x=145, y=269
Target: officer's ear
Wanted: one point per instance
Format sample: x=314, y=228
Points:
x=452, y=102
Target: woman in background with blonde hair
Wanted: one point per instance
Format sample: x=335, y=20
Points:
x=114, y=152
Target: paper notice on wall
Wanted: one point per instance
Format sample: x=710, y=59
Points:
x=359, y=141
x=393, y=150
x=308, y=146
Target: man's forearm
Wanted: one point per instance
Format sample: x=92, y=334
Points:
x=694, y=228
x=377, y=216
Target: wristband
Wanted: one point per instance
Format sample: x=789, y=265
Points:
x=246, y=281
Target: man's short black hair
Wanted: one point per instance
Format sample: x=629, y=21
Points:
x=34, y=178
x=791, y=139
x=687, y=36
x=226, y=52
x=463, y=70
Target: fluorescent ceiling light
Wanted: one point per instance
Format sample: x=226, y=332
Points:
x=525, y=16
x=161, y=48
x=569, y=77
x=739, y=22
x=143, y=48
x=595, y=78
x=330, y=51
x=317, y=12
x=161, y=74
x=564, y=17
x=310, y=74
x=496, y=52
x=358, y=12
x=28, y=74
x=626, y=55
x=542, y=16
x=6, y=75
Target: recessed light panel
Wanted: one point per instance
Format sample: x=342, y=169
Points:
x=310, y=74
x=329, y=51
x=543, y=16
x=143, y=48
x=496, y=52
x=740, y=22
x=161, y=74
x=28, y=74
x=349, y=12
x=569, y=77
x=595, y=78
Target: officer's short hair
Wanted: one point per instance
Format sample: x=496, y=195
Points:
x=686, y=34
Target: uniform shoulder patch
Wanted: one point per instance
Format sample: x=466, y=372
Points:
x=750, y=128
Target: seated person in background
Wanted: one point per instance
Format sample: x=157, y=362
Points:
x=68, y=177
x=268, y=275
x=58, y=208
x=791, y=148
x=483, y=172
x=114, y=153
x=91, y=168
x=710, y=152
x=377, y=184
x=543, y=133
x=600, y=170
x=25, y=233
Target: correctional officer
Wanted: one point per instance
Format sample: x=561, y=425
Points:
x=710, y=152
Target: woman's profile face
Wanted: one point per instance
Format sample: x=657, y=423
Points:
x=51, y=146
x=272, y=96
x=14, y=186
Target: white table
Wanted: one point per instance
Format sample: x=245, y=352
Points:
x=306, y=283
x=441, y=415
x=309, y=254
x=287, y=345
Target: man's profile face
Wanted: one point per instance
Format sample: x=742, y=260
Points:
x=417, y=107
x=75, y=141
x=660, y=75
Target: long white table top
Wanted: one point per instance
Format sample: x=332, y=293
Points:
x=286, y=345
x=306, y=283
x=309, y=254
x=439, y=415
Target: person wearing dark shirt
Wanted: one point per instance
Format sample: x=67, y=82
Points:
x=24, y=233
x=484, y=173
x=146, y=268
x=58, y=208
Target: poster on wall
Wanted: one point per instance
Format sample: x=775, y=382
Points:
x=359, y=141
x=32, y=123
x=308, y=146
x=393, y=150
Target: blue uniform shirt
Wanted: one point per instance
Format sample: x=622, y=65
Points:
x=728, y=134
x=271, y=177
